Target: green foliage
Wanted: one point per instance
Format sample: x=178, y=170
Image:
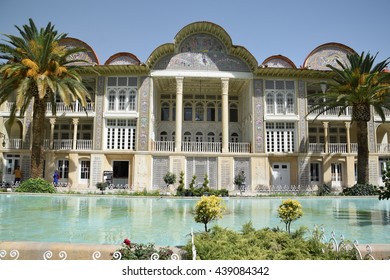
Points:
x=384, y=191
x=37, y=185
x=361, y=190
x=181, y=188
x=206, y=181
x=207, y=209
x=239, y=179
x=132, y=251
x=324, y=189
x=289, y=211
x=170, y=178
x=193, y=181
x=102, y=186
x=265, y=244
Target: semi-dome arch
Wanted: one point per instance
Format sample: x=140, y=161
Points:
x=202, y=46
x=278, y=61
x=327, y=54
x=123, y=58
x=89, y=55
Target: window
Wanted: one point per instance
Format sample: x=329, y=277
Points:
x=120, y=134
x=210, y=112
x=187, y=136
x=164, y=136
x=233, y=113
x=122, y=94
x=85, y=166
x=234, y=138
x=315, y=172
x=165, y=111
x=211, y=137
x=199, y=137
x=199, y=112
x=280, y=137
x=280, y=97
x=63, y=168
x=187, y=112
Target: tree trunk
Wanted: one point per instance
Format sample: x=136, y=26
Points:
x=38, y=134
x=362, y=154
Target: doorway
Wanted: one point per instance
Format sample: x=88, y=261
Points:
x=120, y=174
x=281, y=174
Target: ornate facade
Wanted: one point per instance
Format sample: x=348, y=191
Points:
x=200, y=105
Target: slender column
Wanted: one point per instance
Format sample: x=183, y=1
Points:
x=179, y=112
x=225, y=115
x=52, y=123
x=75, y=125
x=326, y=125
x=347, y=126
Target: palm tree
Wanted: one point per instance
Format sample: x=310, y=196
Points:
x=359, y=85
x=37, y=71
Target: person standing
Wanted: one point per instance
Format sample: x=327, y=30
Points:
x=18, y=175
x=56, y=176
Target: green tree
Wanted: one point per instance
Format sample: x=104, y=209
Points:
x=38, y=70
x=289, y=211
x=207, y=209
x=169, y=178
x=359, y=85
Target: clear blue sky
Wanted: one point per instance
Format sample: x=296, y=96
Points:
x=292, y=28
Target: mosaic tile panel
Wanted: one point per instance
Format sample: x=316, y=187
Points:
x=143, y=134
x=259, y=116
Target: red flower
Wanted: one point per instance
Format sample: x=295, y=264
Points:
x=127, y=242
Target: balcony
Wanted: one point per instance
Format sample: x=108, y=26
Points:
x=67, y=144
x=333, y=148
x=332, y=113
x=200, y=147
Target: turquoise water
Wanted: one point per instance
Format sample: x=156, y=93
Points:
x=168, y=221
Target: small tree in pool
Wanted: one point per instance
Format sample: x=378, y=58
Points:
x=289, y=211
x=207, y=209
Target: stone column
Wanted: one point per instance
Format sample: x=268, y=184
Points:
x=75, y=125
x=52, y=123
x=225, y=115
x=179, y=112
x=348, y=126
x=326, y=125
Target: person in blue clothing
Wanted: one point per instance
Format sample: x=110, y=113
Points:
x=56, y=176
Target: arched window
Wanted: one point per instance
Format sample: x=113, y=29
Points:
x=233, y=112
x=210, y=137
x=199, y=137
x=188, y=111
x=165, y=111
x=199, y=112
x=290, y=103
x=187, y=136
x=122, y=100
x=234, y=137
x=163, y=136
x=111, y=101
x=210, y=112
x=279, y=103
x=270, y=103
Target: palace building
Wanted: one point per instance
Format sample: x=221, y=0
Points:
x=200, y=105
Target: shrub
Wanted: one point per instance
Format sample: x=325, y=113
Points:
x=264, y=244
x=169, y=178
x=140, y=251
x=384, y=191
x=289, y=211
x=324, y=189
x=207, y=209
x=361, y=190
x=37, y=185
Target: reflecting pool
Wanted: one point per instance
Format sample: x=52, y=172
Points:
x=168, y=221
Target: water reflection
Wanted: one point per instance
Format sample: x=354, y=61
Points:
x=168, y=221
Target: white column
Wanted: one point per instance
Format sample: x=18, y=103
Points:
x=348, y=126
x=225, y=115
x=179, y=112
x=75, y=125
x=326, y=125
x=52, y=124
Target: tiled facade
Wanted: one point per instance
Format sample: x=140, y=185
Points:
x=200, y=105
